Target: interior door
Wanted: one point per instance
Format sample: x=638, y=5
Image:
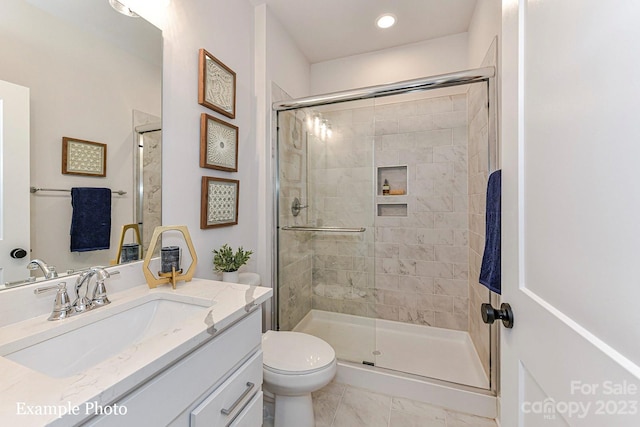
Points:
x=570, y=138
x=14, y=188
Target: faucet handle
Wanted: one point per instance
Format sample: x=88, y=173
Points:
x=43, y=289
x=101, y=273
x=99, y=297
x=62, y=304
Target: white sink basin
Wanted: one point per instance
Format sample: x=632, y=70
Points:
x=75, y=351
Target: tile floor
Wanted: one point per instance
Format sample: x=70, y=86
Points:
x=339, y=405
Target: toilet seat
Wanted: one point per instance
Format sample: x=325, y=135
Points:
x=295, y=353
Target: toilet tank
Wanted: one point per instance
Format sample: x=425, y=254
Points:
x=252, y=279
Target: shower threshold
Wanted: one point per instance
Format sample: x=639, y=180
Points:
x=426, y=351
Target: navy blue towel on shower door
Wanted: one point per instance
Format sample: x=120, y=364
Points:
x=91, y=219
x=490, y=270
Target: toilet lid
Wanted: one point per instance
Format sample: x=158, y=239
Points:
x=295, y=352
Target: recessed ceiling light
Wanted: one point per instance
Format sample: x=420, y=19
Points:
x=385, y=21
x=123, y=9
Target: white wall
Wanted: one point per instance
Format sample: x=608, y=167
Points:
x=277, y=61
x=81, y=87
x=263, y=134
x=226, y=30
x=406, y=62
x=486, y=24
x=287, y=66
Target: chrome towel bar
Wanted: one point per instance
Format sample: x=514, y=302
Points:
x=326, y=229
x=35, y=190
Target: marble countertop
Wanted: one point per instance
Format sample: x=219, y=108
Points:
x=31, y=398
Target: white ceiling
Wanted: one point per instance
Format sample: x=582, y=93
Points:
x=329, y=29
x=98, y=18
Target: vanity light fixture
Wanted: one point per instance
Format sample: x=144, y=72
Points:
x=386, y=20
x=123, y=9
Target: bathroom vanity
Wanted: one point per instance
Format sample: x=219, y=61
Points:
x=185, y=357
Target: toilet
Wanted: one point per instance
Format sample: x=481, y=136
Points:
x=294, y=365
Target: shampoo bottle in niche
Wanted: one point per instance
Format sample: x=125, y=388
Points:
x=385, y=188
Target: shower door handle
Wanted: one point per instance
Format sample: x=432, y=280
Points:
x=490, y=314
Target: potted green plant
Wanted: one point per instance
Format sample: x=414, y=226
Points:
x=227, y=262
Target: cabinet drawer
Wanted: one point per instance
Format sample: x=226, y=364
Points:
x=228, y=400
x=251, y=416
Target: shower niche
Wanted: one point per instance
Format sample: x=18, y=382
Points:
x=392, y=209
x=396, y=177
x=391, y=185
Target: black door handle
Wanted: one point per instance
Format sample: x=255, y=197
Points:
x=490, y=314
x=18, y=253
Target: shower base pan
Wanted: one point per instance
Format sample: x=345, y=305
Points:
x=434, y=365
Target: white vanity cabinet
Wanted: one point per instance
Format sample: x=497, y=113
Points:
x=217, y=384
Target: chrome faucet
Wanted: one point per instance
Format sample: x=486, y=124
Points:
x=49, y=271
x=99, y=294
x=62, y=307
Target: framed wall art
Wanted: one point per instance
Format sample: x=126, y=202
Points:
x=216, y=85
x=218, y=144
x=219, y=202
x=81, y=157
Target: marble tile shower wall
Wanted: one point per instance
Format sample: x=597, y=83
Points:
x=341, y=195
x=417, y=269
x=422, y=259
x=296, y=254
x=152, y=198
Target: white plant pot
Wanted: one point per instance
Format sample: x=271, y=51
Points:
x=230, y=276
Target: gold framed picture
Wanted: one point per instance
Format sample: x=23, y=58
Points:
x=216, y=85
x=219, y=202
x=218, y=144
x=80, y=157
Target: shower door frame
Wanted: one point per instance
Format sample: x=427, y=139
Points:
x=458, y=78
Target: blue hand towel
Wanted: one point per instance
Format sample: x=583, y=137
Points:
x=490, y=270
x=91, y=219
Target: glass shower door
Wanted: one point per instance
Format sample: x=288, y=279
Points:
x=431, y=171
x=325, y=232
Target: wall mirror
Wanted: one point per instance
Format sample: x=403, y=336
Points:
x=93, y=74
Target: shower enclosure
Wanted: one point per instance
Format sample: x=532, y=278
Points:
x=147, y=173
x=380, y=224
